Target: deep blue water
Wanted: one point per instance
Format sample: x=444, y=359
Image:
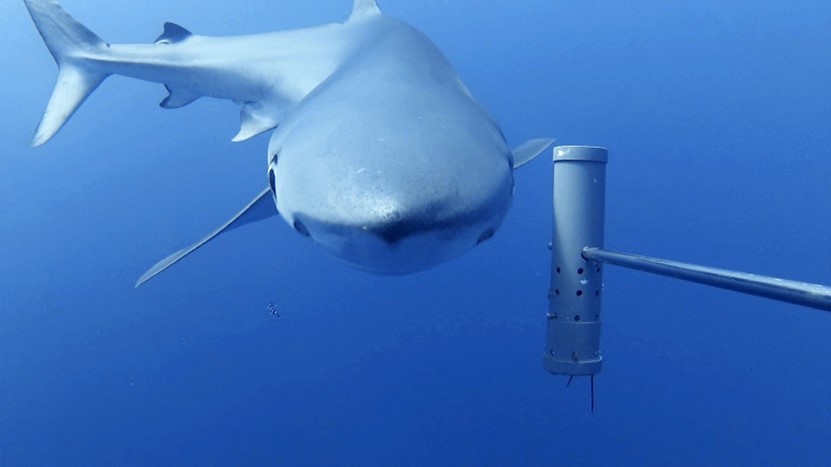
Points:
x=717, y=115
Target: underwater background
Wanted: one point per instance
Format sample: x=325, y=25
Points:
x=717, y=115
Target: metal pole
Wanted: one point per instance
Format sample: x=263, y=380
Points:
x=800, y=293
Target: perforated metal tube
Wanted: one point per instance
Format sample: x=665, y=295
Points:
x=573, y=340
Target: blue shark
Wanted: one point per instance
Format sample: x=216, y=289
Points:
x=379, y=153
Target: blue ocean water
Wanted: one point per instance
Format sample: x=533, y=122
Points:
x=717, y=115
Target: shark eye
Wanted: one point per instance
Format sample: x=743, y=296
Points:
x=301, y=228
x=271, y=182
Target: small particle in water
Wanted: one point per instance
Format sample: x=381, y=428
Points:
x=584, y=281
x=272, y=308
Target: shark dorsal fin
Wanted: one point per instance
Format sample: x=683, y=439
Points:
x=172, y=34
x=363, y=8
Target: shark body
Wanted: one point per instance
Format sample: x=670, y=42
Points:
x=380, y=153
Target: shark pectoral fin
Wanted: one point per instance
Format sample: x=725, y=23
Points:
x=527, y=151
x=258, y=209
x=255, y=118
x=176, y=99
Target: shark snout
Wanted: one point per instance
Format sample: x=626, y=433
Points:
x=396, y=230
x=399, y=239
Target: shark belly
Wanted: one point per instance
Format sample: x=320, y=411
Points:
x=390, y=164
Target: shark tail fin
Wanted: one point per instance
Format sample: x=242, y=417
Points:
x=71, y=44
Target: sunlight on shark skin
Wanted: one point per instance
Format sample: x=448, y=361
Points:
x=380, y=154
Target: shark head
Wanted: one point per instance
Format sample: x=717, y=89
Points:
x=390, y=164
x=395, y=204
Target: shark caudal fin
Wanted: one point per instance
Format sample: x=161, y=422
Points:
x=70, y=44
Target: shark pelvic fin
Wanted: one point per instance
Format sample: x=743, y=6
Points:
x=69, y=42
x=258, y=209
x=255, y=118
x=175, y=99
x=172, y=34
x=529, y=150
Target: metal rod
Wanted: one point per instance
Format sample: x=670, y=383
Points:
x=800, y=293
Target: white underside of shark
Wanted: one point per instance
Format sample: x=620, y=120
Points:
x=379, y=153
